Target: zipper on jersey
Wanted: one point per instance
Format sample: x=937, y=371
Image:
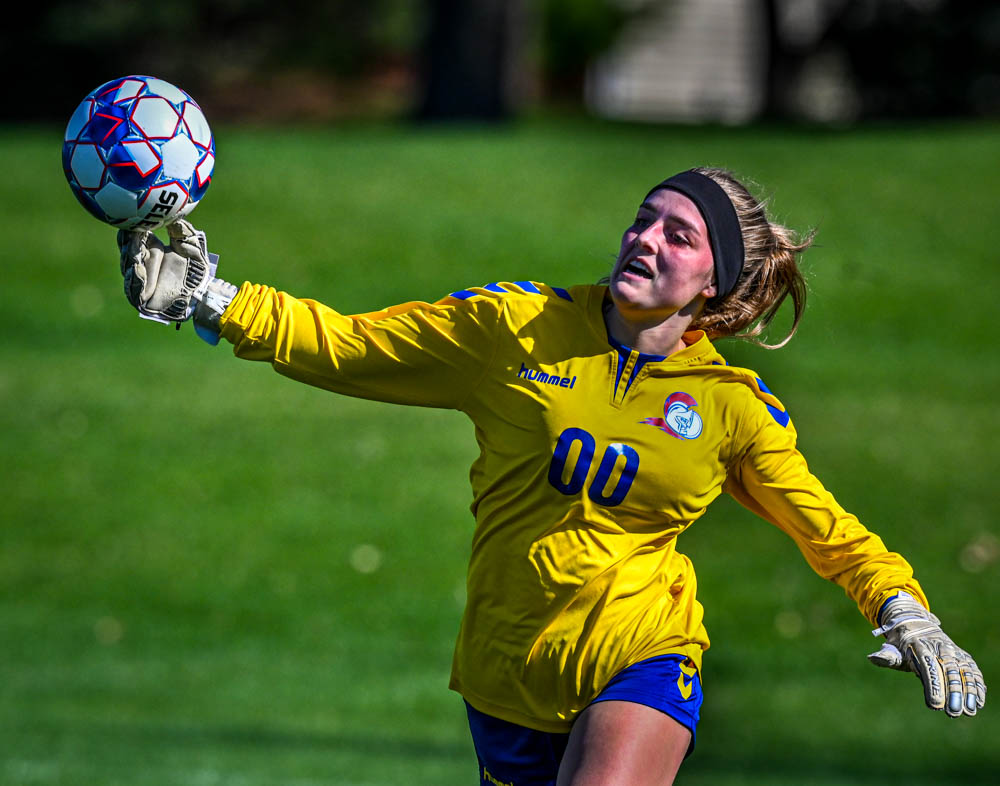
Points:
x=628, y=367
x=625, y=367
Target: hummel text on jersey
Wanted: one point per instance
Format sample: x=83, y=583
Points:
x=546, y=379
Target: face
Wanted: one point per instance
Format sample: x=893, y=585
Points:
x=665, y=263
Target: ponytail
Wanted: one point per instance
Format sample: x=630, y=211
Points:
x=770, y=273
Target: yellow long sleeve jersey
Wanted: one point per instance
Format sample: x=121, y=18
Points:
x=593, y=459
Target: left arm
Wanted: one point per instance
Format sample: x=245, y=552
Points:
x=771, y=478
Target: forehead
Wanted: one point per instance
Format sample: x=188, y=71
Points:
x=667, y=203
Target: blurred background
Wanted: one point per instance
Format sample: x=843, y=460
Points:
x=210, y=575
x=719, y=61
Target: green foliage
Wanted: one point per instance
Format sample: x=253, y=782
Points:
x=247, y=57
x=337, y=35
x=574, y=32
x=211, y=575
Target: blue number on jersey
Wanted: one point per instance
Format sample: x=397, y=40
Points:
x=588, y=446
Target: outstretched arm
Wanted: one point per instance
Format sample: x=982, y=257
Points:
x=771, y=479
x=426, y=354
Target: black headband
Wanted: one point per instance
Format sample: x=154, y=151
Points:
x=724, y=234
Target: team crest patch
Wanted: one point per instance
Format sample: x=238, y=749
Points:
x=679, y=417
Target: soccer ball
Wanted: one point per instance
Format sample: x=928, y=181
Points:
x=138, y=153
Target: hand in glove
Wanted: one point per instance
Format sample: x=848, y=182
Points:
x=163, y=282
x=915, y=642
x=172, y=283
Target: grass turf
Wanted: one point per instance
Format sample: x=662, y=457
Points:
x=210, y=575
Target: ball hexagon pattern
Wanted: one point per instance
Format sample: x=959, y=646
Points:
x=138, y=153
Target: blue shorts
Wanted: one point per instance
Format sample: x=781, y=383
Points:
x=512, y=755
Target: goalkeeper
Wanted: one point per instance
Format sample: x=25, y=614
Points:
x=607, y=423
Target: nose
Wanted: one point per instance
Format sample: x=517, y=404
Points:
x=647, y=238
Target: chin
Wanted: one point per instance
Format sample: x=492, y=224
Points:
x=617, y=295
x=624, y=293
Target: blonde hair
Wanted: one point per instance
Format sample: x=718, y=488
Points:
x=770, y=272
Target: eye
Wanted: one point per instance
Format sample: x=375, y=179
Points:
x=679, y=239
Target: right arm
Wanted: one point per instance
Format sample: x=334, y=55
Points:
x=415, y=353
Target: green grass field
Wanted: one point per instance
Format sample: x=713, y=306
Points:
x=211, y=575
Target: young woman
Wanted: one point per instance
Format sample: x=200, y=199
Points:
x=607, y=422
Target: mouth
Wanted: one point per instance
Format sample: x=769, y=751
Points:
x=635, y=268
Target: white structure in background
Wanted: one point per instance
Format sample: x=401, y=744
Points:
x=685, y=60
x=706, y=61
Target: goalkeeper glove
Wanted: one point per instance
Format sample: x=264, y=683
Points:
x=915, y=642
x=176, y=282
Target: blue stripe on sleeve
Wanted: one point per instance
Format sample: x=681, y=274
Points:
x=782, y=418
x=779, y=415
x=527, y=286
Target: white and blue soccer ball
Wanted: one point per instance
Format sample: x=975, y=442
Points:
x=138, y=153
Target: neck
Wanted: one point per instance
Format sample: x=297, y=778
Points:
x=663, y=337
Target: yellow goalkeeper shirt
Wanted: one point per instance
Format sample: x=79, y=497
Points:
x=593, y=459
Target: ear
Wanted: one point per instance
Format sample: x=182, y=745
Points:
x=710, y=290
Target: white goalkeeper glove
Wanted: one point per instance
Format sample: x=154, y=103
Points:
x=915, y=642
x=173, y=283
